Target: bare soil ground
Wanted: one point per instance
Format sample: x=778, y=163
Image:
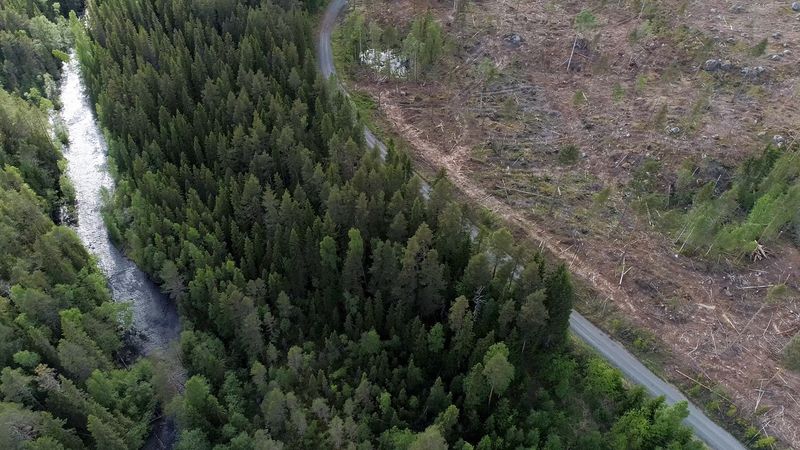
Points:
x=498, y=135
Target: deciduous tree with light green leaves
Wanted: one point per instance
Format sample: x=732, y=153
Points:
x=424, y=44
x=498, y=371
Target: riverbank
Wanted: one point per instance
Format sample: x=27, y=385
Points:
x=155, y=323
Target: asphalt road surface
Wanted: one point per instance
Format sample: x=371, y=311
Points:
x=704, y=428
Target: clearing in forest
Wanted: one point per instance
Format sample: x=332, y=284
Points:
x=650, y=145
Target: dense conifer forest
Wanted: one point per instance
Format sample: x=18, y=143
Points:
x=326, y=303
x=61, y=385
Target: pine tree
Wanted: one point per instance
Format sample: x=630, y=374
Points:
x=558, y=301
x=353, y=267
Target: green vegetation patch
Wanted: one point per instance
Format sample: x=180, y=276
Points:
x=323, y=297
x=707, y=210
x=569, y=155
x=791, y=354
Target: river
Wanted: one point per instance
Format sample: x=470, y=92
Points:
x=155, y=317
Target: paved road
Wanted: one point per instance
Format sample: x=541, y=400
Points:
x=325, y=60
x=704, y=428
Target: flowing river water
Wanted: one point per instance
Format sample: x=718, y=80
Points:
x=155, y=316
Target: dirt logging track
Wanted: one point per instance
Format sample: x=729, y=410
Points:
x=498, y=137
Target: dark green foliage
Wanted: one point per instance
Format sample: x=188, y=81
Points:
x=655, y=425
x=32, y=36
x=646, y=177
x=60, y=334
x=760, y=204
x=585, y=20
x=558, y=301
x=326, y=303
x=25, y=144
x=59, y=331
x=751, y=173
x=424, y=44
x=760, y=48
x=569, y=155
x=421, y=48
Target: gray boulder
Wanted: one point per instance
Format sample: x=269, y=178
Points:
x=753, y=71
x=736, y=9
x=711, y=65
x=514, y=39
x=796, y=6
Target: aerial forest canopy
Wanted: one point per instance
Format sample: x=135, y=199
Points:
x=33, y=41
x=326, y=302
x=60, y=332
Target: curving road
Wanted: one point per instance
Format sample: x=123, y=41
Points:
x=704, y=428
x=325, y=60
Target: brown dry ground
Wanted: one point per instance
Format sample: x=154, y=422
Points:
x=498, y=141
